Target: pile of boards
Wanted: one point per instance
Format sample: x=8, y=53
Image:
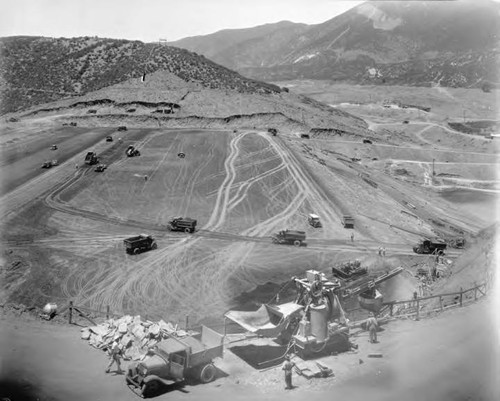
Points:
x=133, y=335
x=311, y=369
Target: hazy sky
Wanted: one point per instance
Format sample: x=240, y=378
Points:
x=149, y=20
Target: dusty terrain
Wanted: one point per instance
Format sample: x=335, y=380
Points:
x=64, y=227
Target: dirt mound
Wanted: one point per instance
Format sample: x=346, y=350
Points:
x=476, y=264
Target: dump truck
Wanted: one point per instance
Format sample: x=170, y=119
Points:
x=132, y=151
x=185, y=224
x=47, y=164
x=428, y=245
x=175, y=360
x=53, y=147
x=272, y=131
x=348, y=221
x=289, y=237
x=139, y=243
x=122, y=128
x=109, y=138
x=313, y=220
x=91, y=158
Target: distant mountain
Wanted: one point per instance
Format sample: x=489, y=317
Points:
x=453, y=43
x=36, y=70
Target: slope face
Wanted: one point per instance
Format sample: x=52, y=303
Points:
x=37, y=70
x=395, y=42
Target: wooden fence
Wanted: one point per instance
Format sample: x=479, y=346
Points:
x=426, y=305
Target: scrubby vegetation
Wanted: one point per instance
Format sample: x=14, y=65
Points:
x=36, y=70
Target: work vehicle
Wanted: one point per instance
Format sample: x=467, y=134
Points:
x=289, y=237
x=100, y=168
x=272, y=131
x=122, y=128
x=139, y=243
x=350, y=270
x=305, y=136
x=132, y=151
x=47, y=164
x=91, y=158
x=427, y=245
x=175, y=360
x=53, y=147
x=367, y=141
x=348, y=221
x=458, y=242
x=182, y=155
x=185, y=224
x=109, y=138
x=313, y=220
x=54, y=162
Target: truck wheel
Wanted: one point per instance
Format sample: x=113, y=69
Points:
x=150, y=388
x=297, y=242
x=187, y=230
x=137, y=251
x=154, y=245
x=207, y=373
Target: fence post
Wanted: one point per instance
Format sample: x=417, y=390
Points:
x=461, y=296
x=475, y=291
x=187, y=322
x=441, y=302
x=70, y=314
x=107, y=312
x=418, y=310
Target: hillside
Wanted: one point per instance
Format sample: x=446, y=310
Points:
x=416, y=43
x=36, y=70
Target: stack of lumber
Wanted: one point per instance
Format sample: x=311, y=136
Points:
x=134, y=335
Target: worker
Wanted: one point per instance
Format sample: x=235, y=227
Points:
x=288, y=365
x=115, y=355
x=383, y=251
x=352, y=237
x=316, y=289
x=379, y=251
x=372, y=326
x=145, y=178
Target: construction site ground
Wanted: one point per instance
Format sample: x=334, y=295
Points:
x=64, y=228
x=446, y=357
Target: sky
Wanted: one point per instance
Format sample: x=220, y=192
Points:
x=150, y=20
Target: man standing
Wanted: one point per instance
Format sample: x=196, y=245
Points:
x=287, y=367
x=372, y=326
x=352, y=237
x=115, y=354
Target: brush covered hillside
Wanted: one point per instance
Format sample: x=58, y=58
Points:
x=451, y=43
x=106, y=82
x=36, y=70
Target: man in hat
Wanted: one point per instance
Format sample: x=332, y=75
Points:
x=372, y=326
x=287, y=367
x=115, y=355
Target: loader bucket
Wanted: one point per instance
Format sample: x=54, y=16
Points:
x=268, y=320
